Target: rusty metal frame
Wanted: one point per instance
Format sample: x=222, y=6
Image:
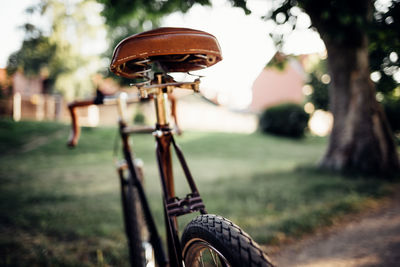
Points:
x=173, y=205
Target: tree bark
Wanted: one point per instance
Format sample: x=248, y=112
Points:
x=361, y=139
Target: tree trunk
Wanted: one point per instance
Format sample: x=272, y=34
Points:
x=361, y=138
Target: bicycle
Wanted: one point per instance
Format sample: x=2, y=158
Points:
x=208, y=240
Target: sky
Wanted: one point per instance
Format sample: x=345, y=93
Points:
x=245, y=44
x=11, y=16
x=244, y=40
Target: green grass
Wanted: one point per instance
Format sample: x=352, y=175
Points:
x=61, y=207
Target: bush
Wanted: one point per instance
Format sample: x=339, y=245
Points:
x=287, y=119
x=139, y=118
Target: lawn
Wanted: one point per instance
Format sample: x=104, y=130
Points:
x=61, y=207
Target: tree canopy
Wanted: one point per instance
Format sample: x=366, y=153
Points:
x=56, y=51
x=34, y=55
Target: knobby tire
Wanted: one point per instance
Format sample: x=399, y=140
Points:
x=211, y=240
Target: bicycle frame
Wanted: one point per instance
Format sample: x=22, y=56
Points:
x=173, y=206
x=208, y=238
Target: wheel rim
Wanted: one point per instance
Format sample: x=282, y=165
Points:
x=199, y=253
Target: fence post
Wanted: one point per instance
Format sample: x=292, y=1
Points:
x=40, y=111
x=17, y=107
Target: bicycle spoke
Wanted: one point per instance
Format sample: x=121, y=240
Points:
x=209, y=257
x=201, y=258
x=214, y=257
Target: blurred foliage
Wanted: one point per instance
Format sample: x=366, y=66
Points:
x=320, y=95
x=343, y=23
x=391, y=105
x=139, y=118
x=287, y=119
x=123, y=11
x=384, y=45
x=388, y=91
x=55, y=53
x=34, y=55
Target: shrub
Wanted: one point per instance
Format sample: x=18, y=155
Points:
x=139, y=118
x=286, y=119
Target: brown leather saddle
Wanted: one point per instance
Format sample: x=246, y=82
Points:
x=175, y=49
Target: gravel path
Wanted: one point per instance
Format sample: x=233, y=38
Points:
x=372, y=239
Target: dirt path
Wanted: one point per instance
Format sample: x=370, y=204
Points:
x=372, y=239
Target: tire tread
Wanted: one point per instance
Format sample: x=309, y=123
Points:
x=221, y=232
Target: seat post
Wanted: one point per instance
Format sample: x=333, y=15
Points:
x=160, y=100
x=164, y=139
x=165, y=166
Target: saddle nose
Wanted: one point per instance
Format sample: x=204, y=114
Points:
x=176, y=49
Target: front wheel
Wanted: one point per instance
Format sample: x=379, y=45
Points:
x=211, y=240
